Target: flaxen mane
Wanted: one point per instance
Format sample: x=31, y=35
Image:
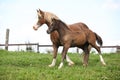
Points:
x=48, y=16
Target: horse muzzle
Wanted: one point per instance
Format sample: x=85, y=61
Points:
x=48, y=31
x=35, y=28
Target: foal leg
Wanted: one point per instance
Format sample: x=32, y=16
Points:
x=64, y=52
x=55, y=48
x=70, y=62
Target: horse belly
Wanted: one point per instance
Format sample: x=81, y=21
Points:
x=77, y=42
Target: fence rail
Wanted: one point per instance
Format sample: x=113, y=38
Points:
x=19, y=44
x=38, y=45
x=110, y=46
x=26, y=44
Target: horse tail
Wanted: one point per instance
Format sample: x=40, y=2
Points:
x=99, y=39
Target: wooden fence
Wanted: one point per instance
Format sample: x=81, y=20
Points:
x=27, y=44
x=38, y=45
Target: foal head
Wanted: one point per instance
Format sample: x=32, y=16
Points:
x=57, y=25
x=44, y=18
x=53, y=26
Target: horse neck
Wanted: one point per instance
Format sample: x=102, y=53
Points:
x=48, y=18
x=63, y=30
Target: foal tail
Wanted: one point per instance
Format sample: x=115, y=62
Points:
x=99, y=39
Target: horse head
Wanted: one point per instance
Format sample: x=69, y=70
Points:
x=44, y=18
x=41, y=19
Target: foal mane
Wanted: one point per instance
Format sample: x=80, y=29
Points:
x=63, y=23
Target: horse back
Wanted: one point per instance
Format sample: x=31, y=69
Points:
x=78, y=26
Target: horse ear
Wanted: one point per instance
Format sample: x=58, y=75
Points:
x=41, y=11
x=37, y=10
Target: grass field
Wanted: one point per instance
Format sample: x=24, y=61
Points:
x=34, y=66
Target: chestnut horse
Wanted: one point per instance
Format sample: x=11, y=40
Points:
x=46, y=18
x=69, y=38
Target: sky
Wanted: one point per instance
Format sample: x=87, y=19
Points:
x=101, y=16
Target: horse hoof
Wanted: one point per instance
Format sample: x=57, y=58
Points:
x=71, y=64
x=51, y=65
x=85, y=65
x=104, y=64
x=59, y=67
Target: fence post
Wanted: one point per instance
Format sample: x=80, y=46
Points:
x=77, y=50
x=7, y=39
x=118, y=50
x=38, y=48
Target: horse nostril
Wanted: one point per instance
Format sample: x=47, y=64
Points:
x=48, y=31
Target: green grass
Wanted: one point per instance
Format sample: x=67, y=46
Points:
x=34, y=66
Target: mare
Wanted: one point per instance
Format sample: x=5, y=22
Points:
x=69, y=38
x=46, y=18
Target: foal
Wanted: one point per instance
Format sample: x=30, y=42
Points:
x=69, y=39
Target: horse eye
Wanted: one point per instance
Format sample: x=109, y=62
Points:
x=39, y=17
x=52, y=24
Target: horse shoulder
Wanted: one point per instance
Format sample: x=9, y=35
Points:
x=65, y=39
x=55, y=37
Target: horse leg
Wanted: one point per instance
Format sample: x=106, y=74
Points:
x=70, y=62
x=89, y=48
x=86, y=56
x=100, y=55
x=64, y=52
x=55, y=48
